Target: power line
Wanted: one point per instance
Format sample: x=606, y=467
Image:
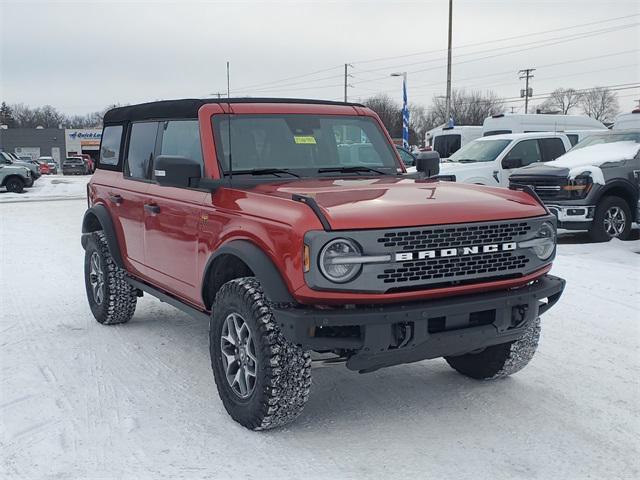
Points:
x=570, y=27
x=506, y=53
x=290, y=78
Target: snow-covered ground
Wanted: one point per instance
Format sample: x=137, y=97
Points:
x=50, y=187
x=81, y=400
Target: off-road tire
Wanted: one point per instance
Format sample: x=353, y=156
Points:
x=499, y=360
x=283, y=373
x=597, y=231
x=15, y=185
x=119, y=298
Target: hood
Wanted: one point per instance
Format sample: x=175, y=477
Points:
x=390, y=202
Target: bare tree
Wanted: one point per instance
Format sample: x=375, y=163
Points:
x=389, y=112
x=561, y=100
x=467, y=108
x=419, y=120
x=600, y=103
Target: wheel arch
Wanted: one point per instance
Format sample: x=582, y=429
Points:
x=13, y=175
x=622, y=189
x=98, y=218
x=241, y=258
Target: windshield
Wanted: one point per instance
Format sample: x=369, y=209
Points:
x=305, y=145
x=480, y=151
x=608, y=138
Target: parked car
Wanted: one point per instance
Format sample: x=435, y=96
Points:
x=15, y=178
x=448, y=140
x=260, y=227
x=594, y=187
x=626, y=121
x=12, y=159
x=45, y=169
x=50, y=161
x=74, y=166
x=522, y=123
x=490, y=160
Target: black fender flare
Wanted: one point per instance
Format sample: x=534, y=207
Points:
x=101, y=214
x=622, y=184
x=260, y=264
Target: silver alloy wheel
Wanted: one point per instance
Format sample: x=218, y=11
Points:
x=614, y=221
x=96, y=278
x=238, y=355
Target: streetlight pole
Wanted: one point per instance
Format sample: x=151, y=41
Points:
x=448, y=108
x=405, y=109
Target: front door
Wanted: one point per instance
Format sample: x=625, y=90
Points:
x=527, y=152
x=173, y=217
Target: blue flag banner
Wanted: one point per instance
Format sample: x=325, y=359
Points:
x=405, y=116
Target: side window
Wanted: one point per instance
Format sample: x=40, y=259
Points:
x=110, y=145
x=552, y=148
x=142, y=143
x=528, y=151
x=573, y=138
x=406, y=157
x=181, y=137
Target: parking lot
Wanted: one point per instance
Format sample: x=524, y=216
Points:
x=81, y=400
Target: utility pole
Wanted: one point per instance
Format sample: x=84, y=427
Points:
x=526, y=93
x=448, y=108
x=228, y=82
x=346, y=79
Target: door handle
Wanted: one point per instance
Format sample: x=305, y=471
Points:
x=152, y=208
x=117, y=199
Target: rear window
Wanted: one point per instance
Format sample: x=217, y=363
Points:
x=496, y=132
x=447, y=145
x=110, y=146
x=552, y=148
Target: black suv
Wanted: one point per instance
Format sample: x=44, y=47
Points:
x=595, y=186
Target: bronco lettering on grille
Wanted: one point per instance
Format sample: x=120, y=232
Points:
x=454, y=252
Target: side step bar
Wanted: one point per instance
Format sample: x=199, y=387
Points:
x=166, y=298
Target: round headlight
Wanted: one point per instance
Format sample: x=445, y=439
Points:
x=547, y=234
x=334, y=260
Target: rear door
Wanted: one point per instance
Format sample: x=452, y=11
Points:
x=129, y=195
x=172, y=217
x=552, y=148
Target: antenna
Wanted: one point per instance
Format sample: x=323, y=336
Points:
x=228, y=84
x=229, y=134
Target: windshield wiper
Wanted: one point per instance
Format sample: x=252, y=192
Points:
x=354, y=169
x=465, y=160
x=266, y=171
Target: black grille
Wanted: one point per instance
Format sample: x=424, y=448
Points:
x=545, y=187
x=498, y=264
x=427, y=239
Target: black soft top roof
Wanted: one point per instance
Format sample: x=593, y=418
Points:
x=188, y=108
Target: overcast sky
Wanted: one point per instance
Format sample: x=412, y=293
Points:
x=83, y=55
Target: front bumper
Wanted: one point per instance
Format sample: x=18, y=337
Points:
x=572, y=217
x=387, y=335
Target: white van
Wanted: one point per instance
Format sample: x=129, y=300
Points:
x=448, y=140
x=627, y=120
x=524, y=123
x=490, y=160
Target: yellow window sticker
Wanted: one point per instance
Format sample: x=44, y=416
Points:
x=304, y=140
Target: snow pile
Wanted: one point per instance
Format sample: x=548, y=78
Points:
x=79, y=400
x=50, y=187
x=590, y=159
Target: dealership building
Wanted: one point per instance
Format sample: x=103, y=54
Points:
x=51, y=142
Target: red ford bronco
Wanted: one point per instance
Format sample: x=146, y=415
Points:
x=291, y=226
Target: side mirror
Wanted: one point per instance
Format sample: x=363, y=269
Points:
x=428, y=163
x=177, y=171
x=509, y=163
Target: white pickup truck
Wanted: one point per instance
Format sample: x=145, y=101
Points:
x=490, y=160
